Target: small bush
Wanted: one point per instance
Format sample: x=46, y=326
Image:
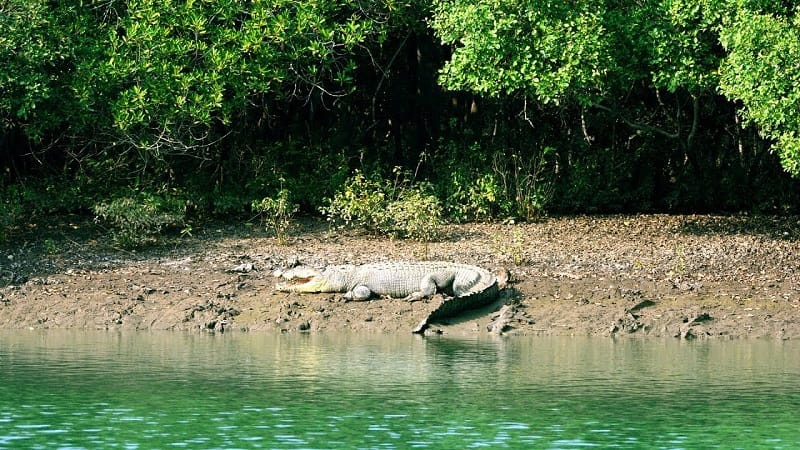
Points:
x=416, y=214
x=470, y=189
x=527, y=186
x=277, y=212
x=471, y=198
x=515, y=183
x=361, y=203
x=228, y=204
x=398, y=207
x=137, y=220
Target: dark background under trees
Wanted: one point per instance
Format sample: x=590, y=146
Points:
x=217, y=104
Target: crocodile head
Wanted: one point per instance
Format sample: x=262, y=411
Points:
x=303, y=279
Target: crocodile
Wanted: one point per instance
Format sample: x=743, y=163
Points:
x=465, y=286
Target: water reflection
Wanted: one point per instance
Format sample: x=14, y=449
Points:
x=82, y=389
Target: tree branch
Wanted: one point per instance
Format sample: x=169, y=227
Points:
x=638, y=126
x=695, y=122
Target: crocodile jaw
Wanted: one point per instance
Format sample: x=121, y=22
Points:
x=314, y=285
x=302, y=279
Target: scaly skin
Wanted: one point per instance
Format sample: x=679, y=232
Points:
x=468, y=286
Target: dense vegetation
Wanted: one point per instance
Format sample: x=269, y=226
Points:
x=477, y=109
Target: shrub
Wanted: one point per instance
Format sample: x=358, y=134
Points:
x=471, y=198
x=58, y=194
x=467, y=184
x=226, y=204
x=138, y=219
x=515, y=184
x=361, y=203
x=416, y=214
x=398, y=207
x=277, y=212
x=527, y=188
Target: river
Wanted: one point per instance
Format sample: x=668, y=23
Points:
x=78, y=389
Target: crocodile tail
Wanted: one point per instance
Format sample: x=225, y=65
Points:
x=457, y=305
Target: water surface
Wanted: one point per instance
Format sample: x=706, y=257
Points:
x=172, y=390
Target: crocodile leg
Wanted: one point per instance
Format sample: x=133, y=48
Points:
x=427, y=288
x=414, y=297
x=359, y=293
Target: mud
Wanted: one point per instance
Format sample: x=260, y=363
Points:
x=685, y=277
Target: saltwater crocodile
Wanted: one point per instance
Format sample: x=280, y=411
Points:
x=466, y=286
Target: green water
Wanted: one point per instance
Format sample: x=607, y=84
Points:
x=170, y=390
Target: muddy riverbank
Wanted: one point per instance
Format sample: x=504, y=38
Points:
x=648, y=275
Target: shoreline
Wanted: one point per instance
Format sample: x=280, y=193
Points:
x=681, y=276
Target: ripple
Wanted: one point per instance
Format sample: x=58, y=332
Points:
x=559, y=393
x=572, y=443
